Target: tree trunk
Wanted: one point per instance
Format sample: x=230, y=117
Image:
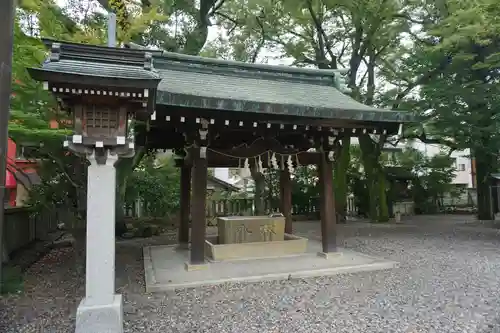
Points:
x=370, y=152
x=383, y=211
x=373, y=194
x=485, y=164
x=375, y=179
x=371, y=184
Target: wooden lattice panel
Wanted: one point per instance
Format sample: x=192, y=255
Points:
x=100, y=121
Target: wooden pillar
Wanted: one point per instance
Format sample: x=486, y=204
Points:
x=286, y=199
x=198, y=215
x=185, y=206
x=327, y=206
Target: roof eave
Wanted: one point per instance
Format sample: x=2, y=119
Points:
x=41, y=74
x=212, y=103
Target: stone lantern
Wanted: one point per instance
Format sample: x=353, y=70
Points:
x=101, y=98
x=102, y=89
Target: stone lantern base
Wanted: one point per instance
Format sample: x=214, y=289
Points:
x=102, y=318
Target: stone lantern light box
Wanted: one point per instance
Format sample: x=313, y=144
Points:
x=101, y=126
x=101, y=93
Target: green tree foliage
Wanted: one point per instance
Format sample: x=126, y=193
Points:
x=178, y=26
x=156, y=184
x=174, y=26
x=429, y=179
x=432, y=177
x=400, y=54
x=305, y=190
x=33, y=109
x=437, y=180
x=460, y=105
x=335, y=34
x=183, y=27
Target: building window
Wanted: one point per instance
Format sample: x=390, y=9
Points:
x=461, y=167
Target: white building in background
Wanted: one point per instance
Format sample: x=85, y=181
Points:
x=463, y=165
x=464, y=169
x=240, y=178
x=222, y=174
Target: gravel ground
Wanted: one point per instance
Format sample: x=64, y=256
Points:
x=448, y=281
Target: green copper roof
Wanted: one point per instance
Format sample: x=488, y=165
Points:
x=97, y=62
x=197, y=82
x=204, y=83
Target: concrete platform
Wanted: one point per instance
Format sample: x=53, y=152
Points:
x=164, y=267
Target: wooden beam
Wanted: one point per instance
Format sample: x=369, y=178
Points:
x=198, y=215
x=327, y=209
x=185, y=206
x=286, y=199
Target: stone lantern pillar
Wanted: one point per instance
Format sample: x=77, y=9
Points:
x=100, y=135
x=102, y=89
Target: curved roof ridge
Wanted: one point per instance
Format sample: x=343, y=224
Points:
x=98, y=53
x=280, y=69
x=242, y=73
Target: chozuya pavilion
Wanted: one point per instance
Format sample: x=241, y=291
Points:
x=212, y=113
